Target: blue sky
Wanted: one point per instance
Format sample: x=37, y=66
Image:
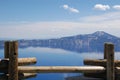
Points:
x=41, y=19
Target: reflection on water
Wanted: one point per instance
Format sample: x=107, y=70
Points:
x=57, y=57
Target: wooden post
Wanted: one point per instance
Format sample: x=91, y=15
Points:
x=100, y=63
x=110, y=61
x=105, y=51
x=6, y=49
x=13, y=61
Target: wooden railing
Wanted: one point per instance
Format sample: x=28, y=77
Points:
x=14, y=68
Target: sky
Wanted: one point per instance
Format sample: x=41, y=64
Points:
x=45, y=19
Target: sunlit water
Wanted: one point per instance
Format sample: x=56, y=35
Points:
x=56, y=57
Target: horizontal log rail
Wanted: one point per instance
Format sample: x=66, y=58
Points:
x=26, y=61
x=95, y=75
x=21, y=76
x=99, y=62
x=21, y=61
x=64, y=69
x=60, y=69
x=27, y=75
x=117, y=69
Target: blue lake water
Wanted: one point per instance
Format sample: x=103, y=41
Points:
x=56, y=57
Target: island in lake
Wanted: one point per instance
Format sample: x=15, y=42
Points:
x=80, y=43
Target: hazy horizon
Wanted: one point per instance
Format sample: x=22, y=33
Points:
x=49, y=38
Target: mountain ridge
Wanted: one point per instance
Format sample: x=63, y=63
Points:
x=80, y=43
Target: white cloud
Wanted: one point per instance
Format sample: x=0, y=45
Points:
x=74, y=10
x=101, y=7
x=117, y=7
x=65, y=6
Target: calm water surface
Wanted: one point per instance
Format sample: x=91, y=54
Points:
x=56, y=57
